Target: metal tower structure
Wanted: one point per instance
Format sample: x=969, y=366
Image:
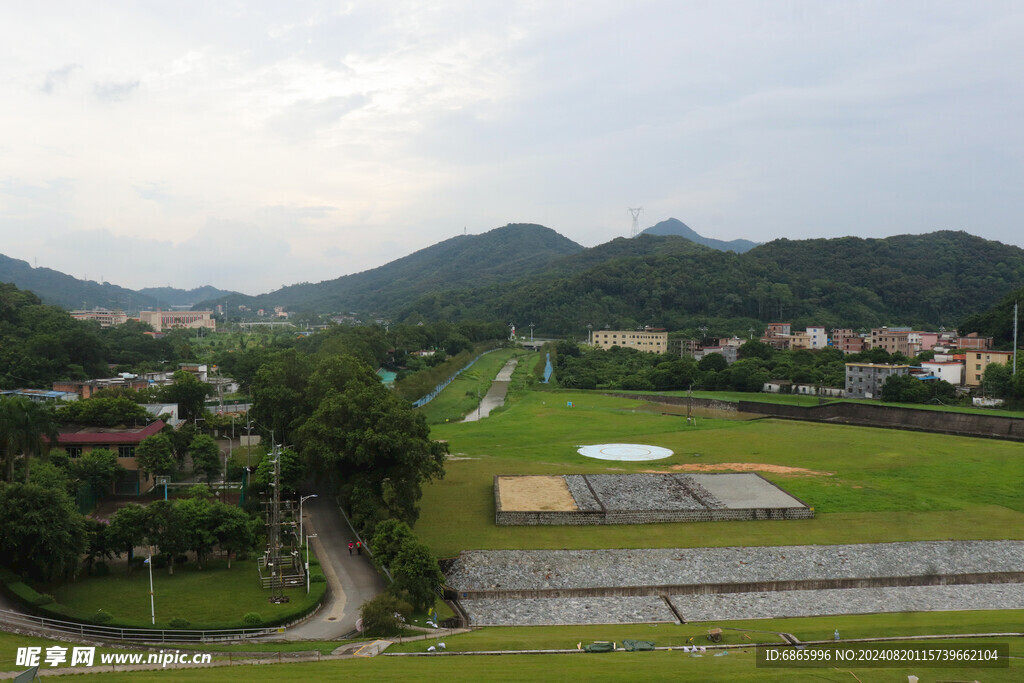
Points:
x=636, y=220
x=274, y=536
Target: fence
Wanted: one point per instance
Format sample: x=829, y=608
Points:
x=440, y=387
x=16, y=620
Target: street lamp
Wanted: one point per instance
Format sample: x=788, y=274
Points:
x=301, y=501
x=307, y=561
x=152, y=603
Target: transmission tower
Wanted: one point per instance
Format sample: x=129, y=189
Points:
x=636, y=220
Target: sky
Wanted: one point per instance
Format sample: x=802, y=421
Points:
x=251, y=145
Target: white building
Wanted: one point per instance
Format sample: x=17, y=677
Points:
x=818, y=336
x=949, y=371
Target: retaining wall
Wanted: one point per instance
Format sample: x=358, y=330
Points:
x=751, y=587
x=578, y=518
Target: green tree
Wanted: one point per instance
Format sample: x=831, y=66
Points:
x=128, y=528
x=368, y=439
x=104, y=412
x=42, y=534
x=98, y=469
x=379, y=615
x=199, y=519
x=235, y=531
x=205, y=456
x=189, y=393
x=293, y=471
x=155, y=456
x=168, y=528
x=26, y=429
x=997, y=381
x=98, y=546
x=389, y=538
x=416, y=575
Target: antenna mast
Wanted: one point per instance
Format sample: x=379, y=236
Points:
x=636, y=220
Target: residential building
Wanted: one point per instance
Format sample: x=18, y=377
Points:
x=105, y=317
x=977, y=361
x=76, y=441
x=649, y=341
x=164, y=320
x=890, y=339
x=973, y=341
x=865, y=380
x=778, y=335
x=948, y=371
x=847, y=341
x=800, y=340
x=818, y=337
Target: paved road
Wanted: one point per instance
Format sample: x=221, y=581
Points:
x=352, y=578
x=495, y=397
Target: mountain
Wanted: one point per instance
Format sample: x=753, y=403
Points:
x=677, y=227
x=59, y=289
x=497, y=256
x=668, y=281
x=169, y=296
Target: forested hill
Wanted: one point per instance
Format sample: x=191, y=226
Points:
x=58, y=289
x=170, y=296
x=918, y=280
x=500, y=255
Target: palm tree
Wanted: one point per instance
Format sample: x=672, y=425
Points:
x=26, y=428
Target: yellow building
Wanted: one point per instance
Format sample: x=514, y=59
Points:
x=977, y=361
x=641, y=340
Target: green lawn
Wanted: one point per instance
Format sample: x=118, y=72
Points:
x=211, y=598
x=460, y=397
x=866, y=485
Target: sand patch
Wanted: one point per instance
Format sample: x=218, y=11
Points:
x=743, y=467
x=535, y=493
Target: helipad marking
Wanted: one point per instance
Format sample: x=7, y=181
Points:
x=633, y=452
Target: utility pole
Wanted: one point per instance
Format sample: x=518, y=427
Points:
x=1015, y=337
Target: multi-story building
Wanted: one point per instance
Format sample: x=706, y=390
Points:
x=166, y=320
x=847, y=341
x=976, y=362
x=800, y=340
x=42, y=395
x=819, y=339
x=683, y=347
x=890, y=339
x=105, y=317
x=86, y=388
x=865, y=380
x=649, y=341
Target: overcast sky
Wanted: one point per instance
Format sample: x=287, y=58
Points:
x=250, y=145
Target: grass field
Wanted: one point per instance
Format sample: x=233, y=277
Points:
x=460, y=396
x=866, y=485
x=214, y=597
x=800, y=400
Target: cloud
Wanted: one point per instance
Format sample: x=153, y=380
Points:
x=58, y=78
x=304, y=118
x=115, y=91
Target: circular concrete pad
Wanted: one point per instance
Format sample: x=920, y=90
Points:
x=633, y=452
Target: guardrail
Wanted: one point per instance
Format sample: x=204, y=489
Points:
x=9, y=619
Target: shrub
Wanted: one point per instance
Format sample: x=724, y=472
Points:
x=102, y=617
x=43, y=599
x=160, y=561
x=379, y=615
x=181, y=559
x=252, y=619
x=178, y=622
x=100, y=569
x=318, y=578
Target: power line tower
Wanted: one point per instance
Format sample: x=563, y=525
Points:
x=636, y=220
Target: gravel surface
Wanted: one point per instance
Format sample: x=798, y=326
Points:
x=848, y=601
x=585, y=500
x=540, y=569
x=651, y=492
x=554, y=611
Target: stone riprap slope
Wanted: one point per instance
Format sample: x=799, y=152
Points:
x=483, y=570
x=651, y=492
x=778, y=604
x=560, y=611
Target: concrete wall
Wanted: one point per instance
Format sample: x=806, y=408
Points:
x=577, y=518
x=915, y=419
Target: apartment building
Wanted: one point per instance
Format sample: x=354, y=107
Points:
x=865, y=380
x=975, y=363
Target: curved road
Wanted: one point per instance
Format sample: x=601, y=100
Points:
x=352, y=578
